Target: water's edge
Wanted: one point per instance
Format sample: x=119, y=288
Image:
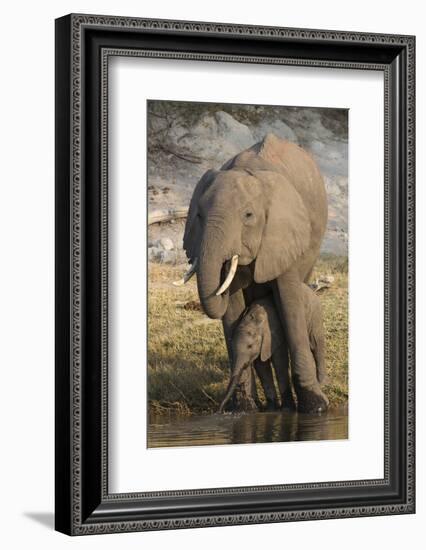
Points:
x=225, y=429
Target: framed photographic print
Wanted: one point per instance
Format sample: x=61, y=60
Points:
x=234, y=274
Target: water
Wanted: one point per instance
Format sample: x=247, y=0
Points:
x=224, y=429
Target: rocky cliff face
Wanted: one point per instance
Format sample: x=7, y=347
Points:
x=185, y=140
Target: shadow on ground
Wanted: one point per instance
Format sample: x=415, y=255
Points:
x=47, y=519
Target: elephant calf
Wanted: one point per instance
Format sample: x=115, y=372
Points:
x=259, y=339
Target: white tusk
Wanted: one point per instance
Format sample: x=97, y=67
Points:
x=229, y=277
x=187, y=275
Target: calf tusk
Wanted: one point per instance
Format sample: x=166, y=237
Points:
x=230, y=276
x=187, y=275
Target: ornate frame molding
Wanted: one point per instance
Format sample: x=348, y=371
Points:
x=75, y=503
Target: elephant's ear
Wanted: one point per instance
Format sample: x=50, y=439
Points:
x=192, y=228
x=266, y=346
x=272, y=333
x=287, y=231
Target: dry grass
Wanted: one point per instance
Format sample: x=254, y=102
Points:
x=335, y=310
x=187, y=360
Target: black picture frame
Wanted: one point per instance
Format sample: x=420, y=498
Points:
x=83, y=46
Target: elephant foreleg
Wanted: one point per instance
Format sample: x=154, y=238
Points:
x=264, y=372
x=281, y=363
x=289, y=299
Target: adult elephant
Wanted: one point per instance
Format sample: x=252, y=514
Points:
x=256, y=226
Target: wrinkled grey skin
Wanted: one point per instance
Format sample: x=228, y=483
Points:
x=259, y=339
x=268, y=205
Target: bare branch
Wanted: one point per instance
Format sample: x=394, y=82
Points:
x=159, y=216
x=181, y=154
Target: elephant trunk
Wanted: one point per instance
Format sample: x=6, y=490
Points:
x=235, y=378
x=209, y=273
x=231, y=387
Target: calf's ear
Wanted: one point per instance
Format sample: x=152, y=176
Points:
x=266, y=345
x=272, y=335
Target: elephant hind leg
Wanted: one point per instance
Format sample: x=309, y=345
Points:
x=317, y=342
x=290, y=301
x=319, y=355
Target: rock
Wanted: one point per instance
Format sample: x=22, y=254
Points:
x=277, y=127
x=327, y=279
x=154, y=253
x=158, y=254
x=233, y=131
x=166, y=243
x=322, y=282
x=167, y=257
x=217, y=138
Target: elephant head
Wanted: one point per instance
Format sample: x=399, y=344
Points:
x=247, y=213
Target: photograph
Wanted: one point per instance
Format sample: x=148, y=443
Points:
x=247, y=262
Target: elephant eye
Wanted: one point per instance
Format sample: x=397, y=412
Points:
x=248, y=217
x=249, y=346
